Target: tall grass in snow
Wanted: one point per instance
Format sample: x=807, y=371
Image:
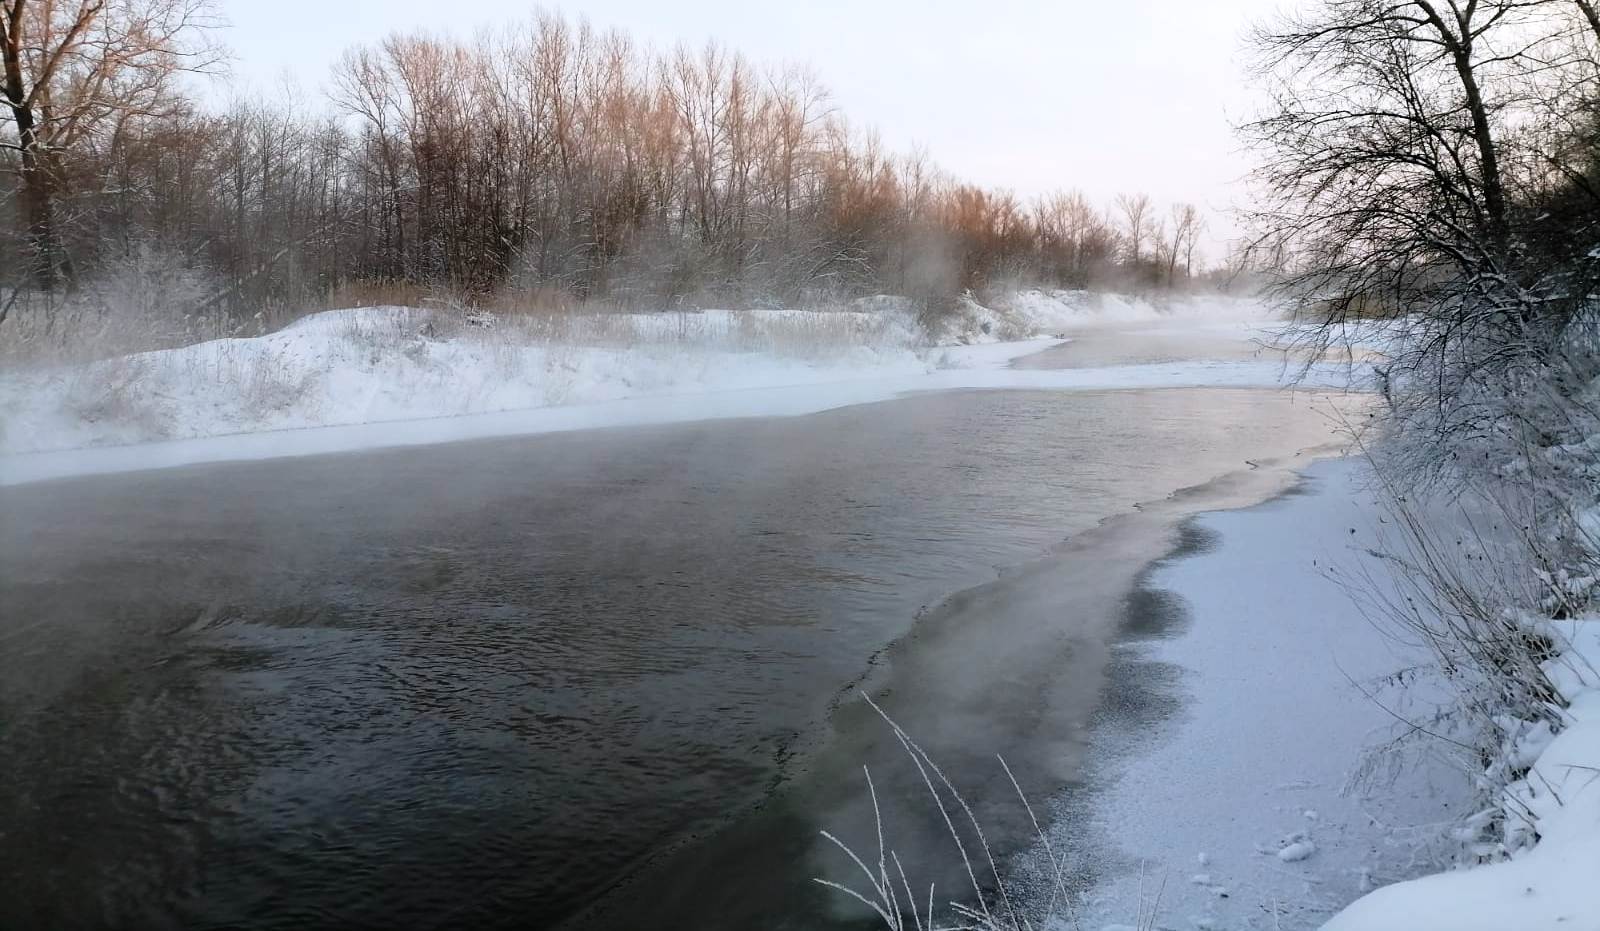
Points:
x=992, y=901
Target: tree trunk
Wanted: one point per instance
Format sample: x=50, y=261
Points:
x=1460, y=49
x=38, y=204
x=1494, y=200
x=1591, y=14
x=38, y=209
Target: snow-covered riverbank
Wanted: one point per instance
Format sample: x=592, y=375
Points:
x=1268, y=793
x=1233, y=805
x=397, y=376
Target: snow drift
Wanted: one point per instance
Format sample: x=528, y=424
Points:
x=385, y=364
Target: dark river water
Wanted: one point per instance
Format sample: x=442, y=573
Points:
x=602, y=679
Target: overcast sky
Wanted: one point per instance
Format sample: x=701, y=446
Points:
x=1102, y=95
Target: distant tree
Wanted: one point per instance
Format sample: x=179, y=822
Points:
x=1165, y=251
x=1187, y=226
x=544, y=161
x=1134, y=212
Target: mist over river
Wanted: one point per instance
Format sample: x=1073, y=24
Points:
x=601, y=678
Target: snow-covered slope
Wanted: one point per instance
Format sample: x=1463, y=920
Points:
x=392, y=363
x=1554, y=885
x=1035, y=311
x=391, y=376
x=1533, y=863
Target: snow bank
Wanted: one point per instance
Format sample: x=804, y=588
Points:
x=956, y=368
x=393, y=376
x=1553, y=885
x=1047, y=311
x=1244, y=807
x=391, y=363
x=1036, y=311
x=1247, y=807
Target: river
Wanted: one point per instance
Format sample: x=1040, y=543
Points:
x=604, y=678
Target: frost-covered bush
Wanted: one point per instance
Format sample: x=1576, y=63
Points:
x=147, y=297
x=1493, y=480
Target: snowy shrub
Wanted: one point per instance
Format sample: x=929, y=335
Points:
x=114, y=391
x=148, y=297
x=1493, y=485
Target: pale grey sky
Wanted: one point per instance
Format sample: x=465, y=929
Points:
x=1107, y=96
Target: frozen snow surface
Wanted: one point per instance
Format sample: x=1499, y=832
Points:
x=391, y=376
x=1273, y=772
x=1257, y=769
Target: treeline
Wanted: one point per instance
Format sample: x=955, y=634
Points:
x=546, y=158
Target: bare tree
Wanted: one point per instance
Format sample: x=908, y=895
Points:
x=1430, y=168
x=546, y=159
x=1386, y=156
x=72, y=70
x=1134, y=210
x=1165, y=250
x=1187, y=226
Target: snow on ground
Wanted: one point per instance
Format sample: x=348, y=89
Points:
x=1234, y=813
x=1039, y=310
x=397, y=376
x=1553, y=885
x=391, y=363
